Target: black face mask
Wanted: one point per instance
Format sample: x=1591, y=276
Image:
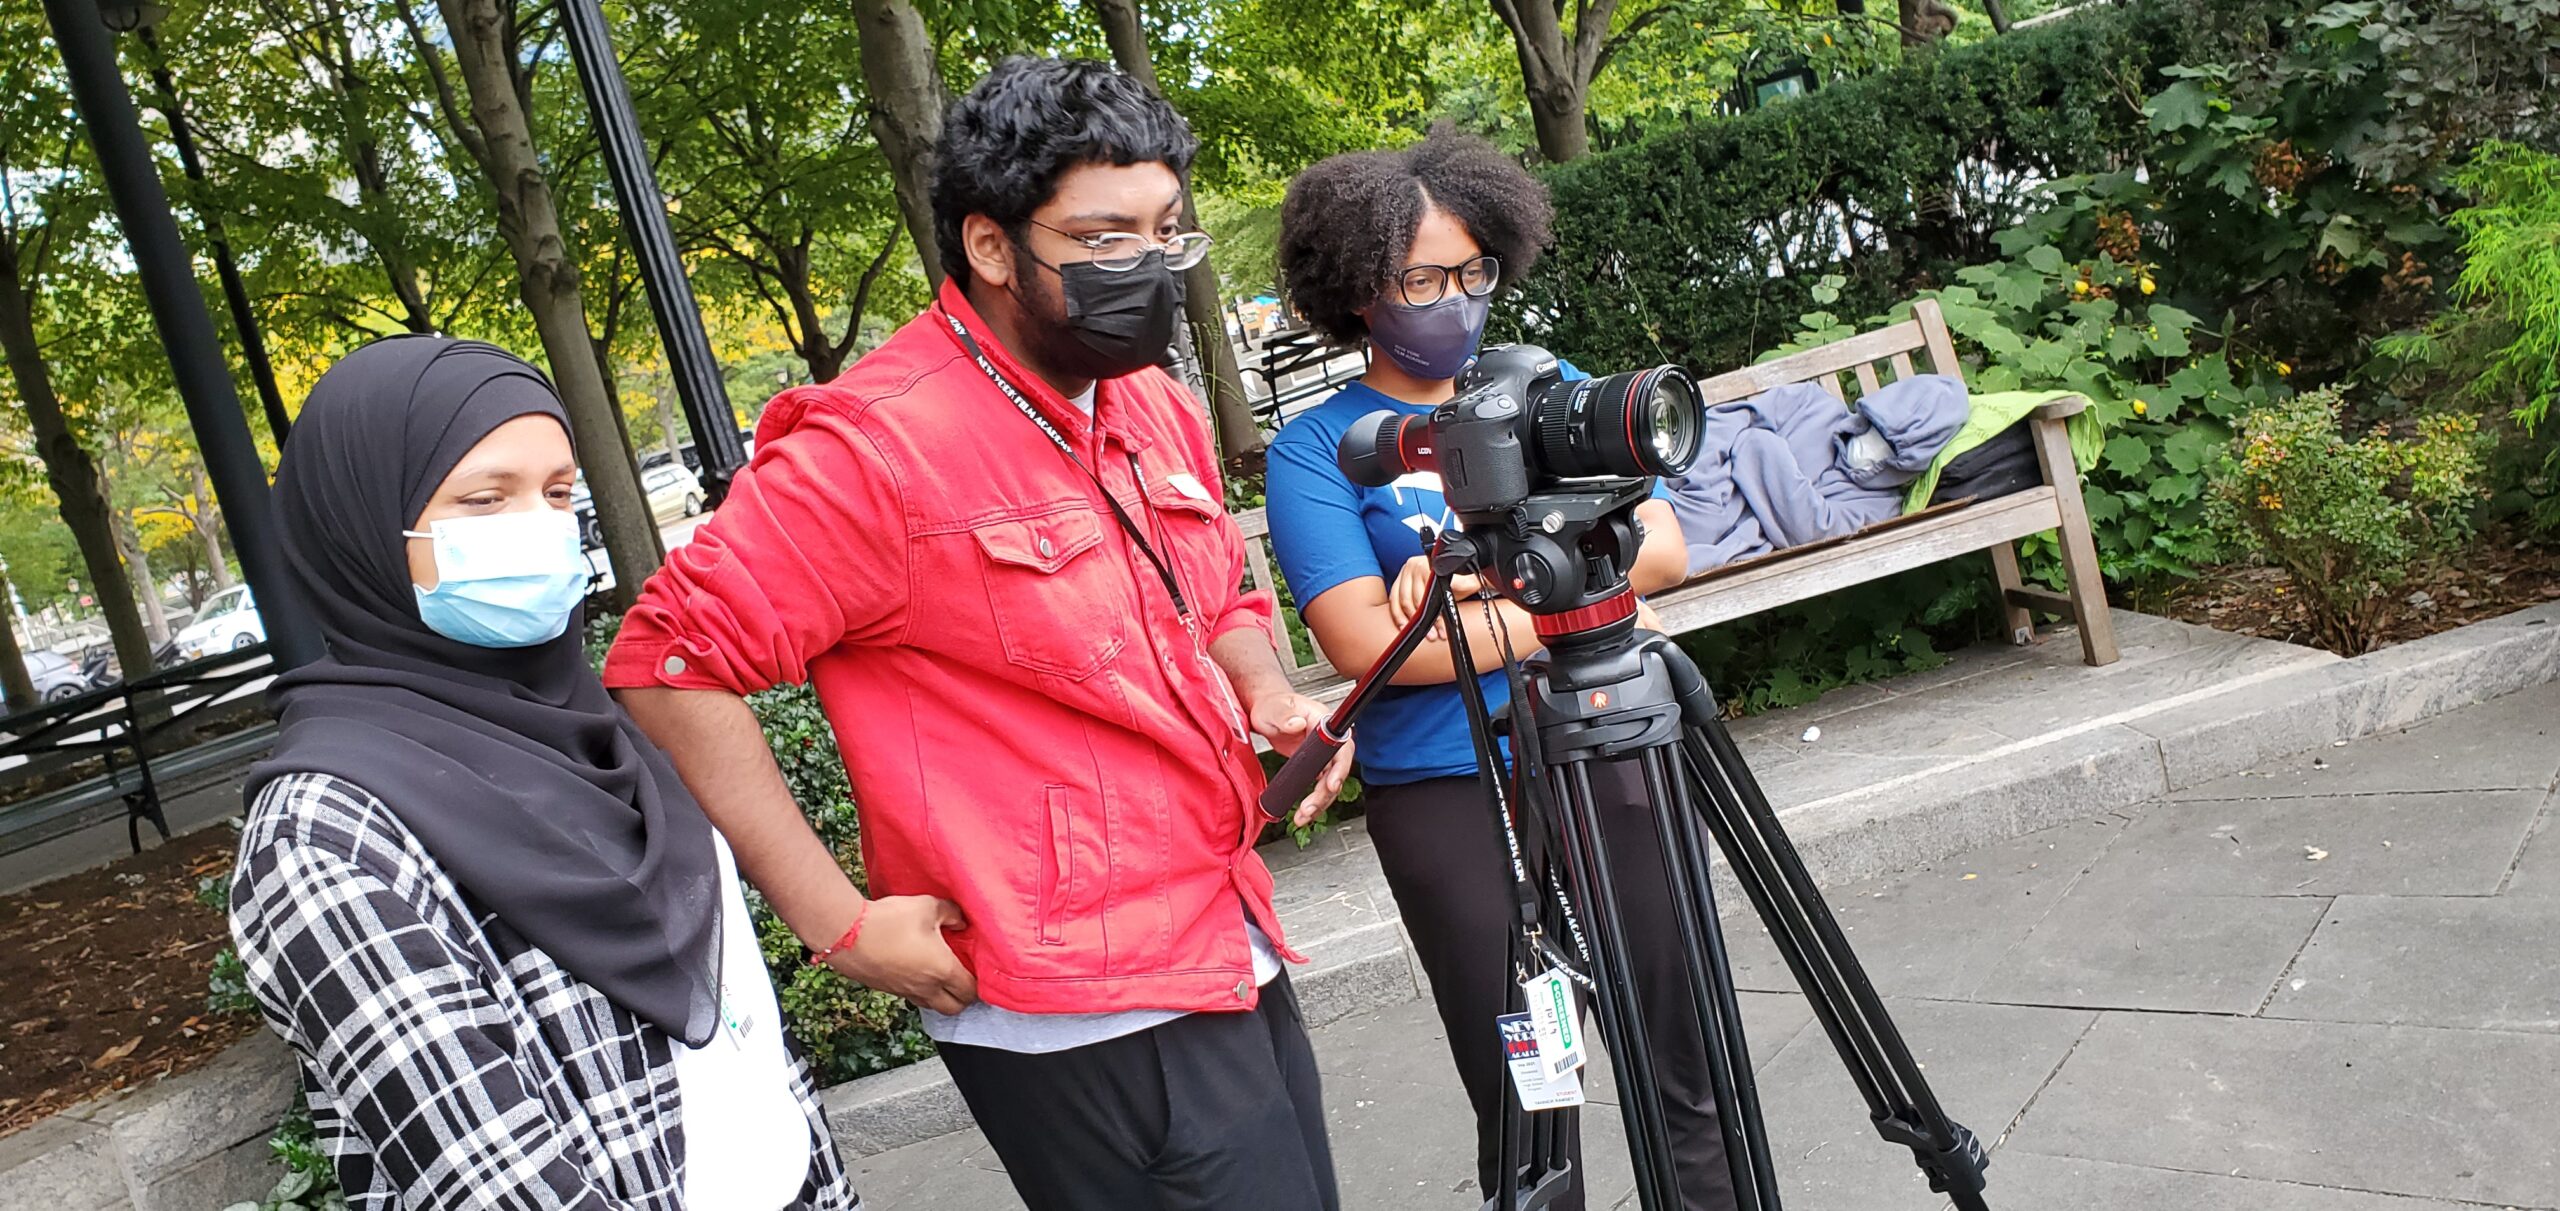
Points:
x=1121, y=321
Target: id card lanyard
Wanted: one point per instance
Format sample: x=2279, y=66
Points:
x=1137, y=536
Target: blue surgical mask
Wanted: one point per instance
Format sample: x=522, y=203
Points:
x=504, y=580
x=1433, y=342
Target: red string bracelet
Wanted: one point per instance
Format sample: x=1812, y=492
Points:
x=852, y=934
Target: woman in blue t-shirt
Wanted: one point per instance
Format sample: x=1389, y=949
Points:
x=1405, y=249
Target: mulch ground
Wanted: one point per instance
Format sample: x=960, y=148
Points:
x=102, y=979
x=2497, y=576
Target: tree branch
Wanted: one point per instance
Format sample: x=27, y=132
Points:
x=463, y=131
x=862, y=294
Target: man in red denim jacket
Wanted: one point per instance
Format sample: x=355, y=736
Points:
x=998, y=548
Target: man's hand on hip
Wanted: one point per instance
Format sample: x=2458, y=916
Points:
x=902, y=952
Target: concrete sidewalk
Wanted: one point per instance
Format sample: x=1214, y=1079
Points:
x=2325, y=984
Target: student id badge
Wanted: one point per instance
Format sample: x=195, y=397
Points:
x=1558, y=1027
x=1529, y=1077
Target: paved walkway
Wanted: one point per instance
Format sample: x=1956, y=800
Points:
x=2324, y=985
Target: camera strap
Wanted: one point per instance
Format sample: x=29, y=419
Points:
x=1172, y=587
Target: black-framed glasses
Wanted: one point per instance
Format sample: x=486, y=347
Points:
x=1122, y=251
x=1423, y=285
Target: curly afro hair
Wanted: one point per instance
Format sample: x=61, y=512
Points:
x=1006, y=143
x=1348, y=221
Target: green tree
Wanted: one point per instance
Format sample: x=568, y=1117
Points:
x=47, y=207
x=767, y=159
x=496, y=129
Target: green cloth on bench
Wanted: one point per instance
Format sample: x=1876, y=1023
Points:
x=1993, y=412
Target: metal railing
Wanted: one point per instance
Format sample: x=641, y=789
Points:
x=129, y=728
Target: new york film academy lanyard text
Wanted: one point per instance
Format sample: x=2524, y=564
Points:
x=1172, y=586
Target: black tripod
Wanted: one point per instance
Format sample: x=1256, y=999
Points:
x=1603, y=690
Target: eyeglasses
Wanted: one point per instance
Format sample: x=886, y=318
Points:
x=1424, y=285
x=1121, y=251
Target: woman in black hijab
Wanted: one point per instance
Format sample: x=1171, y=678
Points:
x=508, y=948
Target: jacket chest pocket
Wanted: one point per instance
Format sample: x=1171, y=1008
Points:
x=1058, y=604
x=1189, y=527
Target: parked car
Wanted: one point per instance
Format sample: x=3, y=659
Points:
x=55, y=675
x=673, y=490
x=228, y=622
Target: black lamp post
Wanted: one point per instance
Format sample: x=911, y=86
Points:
x=235, y=293
x=177, y=309
x=700, y=387
x=141, y=17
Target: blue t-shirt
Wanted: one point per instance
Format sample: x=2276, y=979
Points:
x=1326, y=531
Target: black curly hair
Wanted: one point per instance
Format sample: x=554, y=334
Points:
x=1006, y=143
x=1349, y=220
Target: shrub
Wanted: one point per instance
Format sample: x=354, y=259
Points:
x=1697, y=246
x=2348, y=520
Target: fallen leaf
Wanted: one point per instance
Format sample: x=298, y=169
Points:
x=48, y=907
x=117, y=1052
x=2314, y=853
x=1970, y=878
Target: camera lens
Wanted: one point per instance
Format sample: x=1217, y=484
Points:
x=1643, y=422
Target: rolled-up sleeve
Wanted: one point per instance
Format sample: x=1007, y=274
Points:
x=808, y=552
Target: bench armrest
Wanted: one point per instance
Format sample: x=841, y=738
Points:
x=2069, y=405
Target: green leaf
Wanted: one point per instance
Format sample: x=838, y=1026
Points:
x=2344, y=236
x=2046, y=259
x=2019, y=290
x=2182, y=105
x=2169, y=488
x=2188, y=449
x=2127, y=454
x=1997, y=339
x=2171, y=339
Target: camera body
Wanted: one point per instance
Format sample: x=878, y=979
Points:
x=1543, y=474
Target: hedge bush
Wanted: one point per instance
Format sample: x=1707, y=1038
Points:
x=1701, y=246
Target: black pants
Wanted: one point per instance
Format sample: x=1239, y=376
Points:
x=1443, y=858
x=1208, y=1110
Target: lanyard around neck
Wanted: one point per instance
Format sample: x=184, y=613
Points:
x=1172, y=587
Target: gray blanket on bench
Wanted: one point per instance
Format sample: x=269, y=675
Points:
x=1791, y=465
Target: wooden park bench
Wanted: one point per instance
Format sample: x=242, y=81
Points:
x=1937, y=533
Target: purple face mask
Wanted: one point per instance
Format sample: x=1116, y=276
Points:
x=1433, y=342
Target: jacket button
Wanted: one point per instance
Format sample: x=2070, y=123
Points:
x=1244, y=988
x=675, y=666
x=1045, y=549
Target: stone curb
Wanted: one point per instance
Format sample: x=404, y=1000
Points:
x=197, y=1141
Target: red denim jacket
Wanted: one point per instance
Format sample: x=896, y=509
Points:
x=1031, y=730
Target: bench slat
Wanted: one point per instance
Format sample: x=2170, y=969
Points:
x=1868, y=383
x=1785, y=580
x=1819, y=364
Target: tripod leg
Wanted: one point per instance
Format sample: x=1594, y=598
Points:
x=1711, y=993
x=1621, y=1017
x=1686, y=863
x=1765, y=861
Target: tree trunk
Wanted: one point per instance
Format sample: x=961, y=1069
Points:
x=68, y=468
x=670, y=429
x=17, y=689
x=907, y=100
x=146, y=587
x=501, y=139
x=1556, y=68
x=209, y=528
x=1239, y=436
